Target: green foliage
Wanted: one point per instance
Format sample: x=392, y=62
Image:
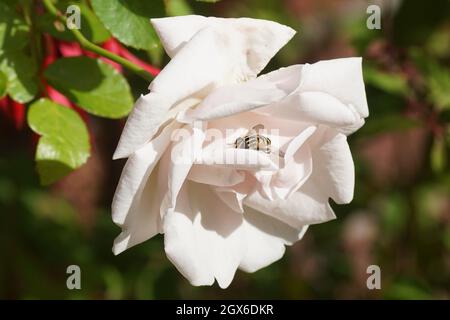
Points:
x=21, y=72
x=64, y=145
x=438, y=155
x=15, y=63
x=14, y=33
x=91, y=27
x=438, y=82
x=177, y=7
x=436, y=77
x=416, y=20
x=388, y=82
x=128, y=20
x=93, y=85
x=407, y=289
x=3, y=83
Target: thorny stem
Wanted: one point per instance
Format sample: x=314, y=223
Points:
x=86, y=44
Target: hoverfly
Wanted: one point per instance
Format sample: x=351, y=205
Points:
x=254, y=141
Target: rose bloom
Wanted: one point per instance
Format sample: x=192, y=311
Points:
x=220, y=205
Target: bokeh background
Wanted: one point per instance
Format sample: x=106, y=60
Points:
x=399, y=218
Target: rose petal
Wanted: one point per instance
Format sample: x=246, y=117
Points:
x=257, y=40
x=306, y=206
x=174, y=32
x=215, y=176
x=265, y=239
x=143, y=220
x=183, y=151
x=334, y=171
x=149, y=113
x=293, y=175
x=314, y=108
x=136, y=172
x=239, y=159
x=203, y=238
x=136, y=203
x=233, y=99
x=330, y=92
x=340, y=78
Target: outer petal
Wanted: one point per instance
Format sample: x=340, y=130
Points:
x=147, y=115
x=203, y=239
x=340, y=78
x=135, y=206
x=259, y=39
x=334, y=171
x=216, y=55
x=330, y=92
x=143, y=220
x=313, y=107
x=174, y=32
x=265, y=239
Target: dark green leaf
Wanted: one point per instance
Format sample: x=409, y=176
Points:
x=91, y=27
x=64, y=143
x=93, y=85
x=129, y=20
x=13, y=30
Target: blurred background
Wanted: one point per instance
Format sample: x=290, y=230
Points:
x=398, y=220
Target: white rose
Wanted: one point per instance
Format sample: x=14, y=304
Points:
x=217, y=216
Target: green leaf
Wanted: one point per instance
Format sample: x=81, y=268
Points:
x=438, y=155
x=177, y=7
x=438, y=82
x=64, y=143
x=91, y=26
x=3, y=83
x=406, y=289
x=13, y=30
x=92, y=84
x=129, y=20
x=20, y=70
x=388, y=82
x=211, y=1
x=437, y=79
x=438, y=44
